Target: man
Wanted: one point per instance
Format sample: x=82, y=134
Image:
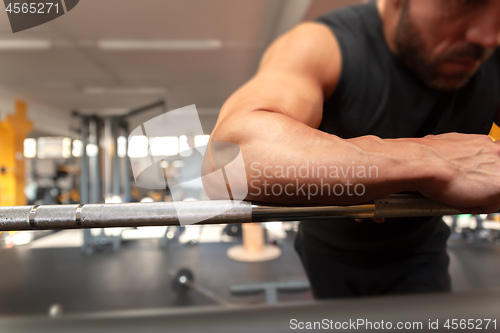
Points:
x=377, y=86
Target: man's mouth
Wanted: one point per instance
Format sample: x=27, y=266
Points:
x=462, y=64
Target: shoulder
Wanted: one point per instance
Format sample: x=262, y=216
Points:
x=355, y=27
x=357, y=32
x=309, y=50
x=306, y=40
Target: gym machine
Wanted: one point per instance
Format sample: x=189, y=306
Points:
x=104, y=131
x=183, y=281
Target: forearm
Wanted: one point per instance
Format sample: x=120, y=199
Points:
x=288, y=161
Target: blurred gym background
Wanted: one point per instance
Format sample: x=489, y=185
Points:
x=71, y=90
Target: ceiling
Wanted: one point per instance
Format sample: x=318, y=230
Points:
x=76, y=74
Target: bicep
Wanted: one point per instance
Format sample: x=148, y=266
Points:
x=292, y=95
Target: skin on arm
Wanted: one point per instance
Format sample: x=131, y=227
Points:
x=274, y=119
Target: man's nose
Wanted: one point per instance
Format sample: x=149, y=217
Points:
x=485, y=30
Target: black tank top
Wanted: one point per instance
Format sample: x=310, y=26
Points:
x=378, y=95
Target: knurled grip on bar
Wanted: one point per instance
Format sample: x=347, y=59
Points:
x=56, y=217
x=410, y=205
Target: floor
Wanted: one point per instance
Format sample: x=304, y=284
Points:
x=33, y=277
x=53, y=270
x=474, y=266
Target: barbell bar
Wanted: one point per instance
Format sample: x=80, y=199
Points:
x=85, y=216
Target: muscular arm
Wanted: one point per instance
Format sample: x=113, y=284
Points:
x=274, y=120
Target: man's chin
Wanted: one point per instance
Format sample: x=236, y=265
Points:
x=448, y=83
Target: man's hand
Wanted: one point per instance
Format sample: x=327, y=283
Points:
x=467, y=172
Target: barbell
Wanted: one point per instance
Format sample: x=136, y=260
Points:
x=85, y=216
